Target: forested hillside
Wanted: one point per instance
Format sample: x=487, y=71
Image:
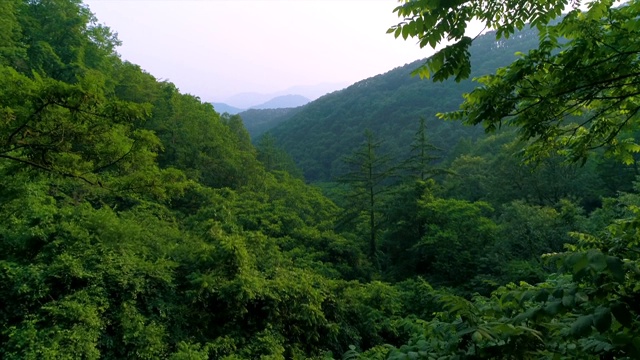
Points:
x=259, y=121
x=390, y=105
x=138, y=223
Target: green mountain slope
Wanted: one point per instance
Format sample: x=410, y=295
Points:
x=390, y=105
x=258, y=121
x=283, y=101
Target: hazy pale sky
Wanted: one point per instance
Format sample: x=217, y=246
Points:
x=218, y=48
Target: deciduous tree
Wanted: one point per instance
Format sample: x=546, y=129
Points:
x=569, y=96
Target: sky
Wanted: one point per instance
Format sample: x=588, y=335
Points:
x=218, y=48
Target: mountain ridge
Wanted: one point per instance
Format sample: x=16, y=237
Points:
x=283, y=101
x=278, y=102
x=226, y=108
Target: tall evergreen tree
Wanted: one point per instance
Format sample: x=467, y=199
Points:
x=420, y=162
x=367, y=180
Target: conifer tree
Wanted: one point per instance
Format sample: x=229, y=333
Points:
x=367, y=179
x=420, y=162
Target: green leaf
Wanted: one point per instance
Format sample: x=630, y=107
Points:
x=568, y=300
x=477, y=336
x=578, y=261
x=602, y=319
x=582, y=326
x=406, y=31
x=542, y=295
x=553, y=307
x=615, y=266
x=622, y=314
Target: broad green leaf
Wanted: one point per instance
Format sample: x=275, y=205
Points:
x=602, y=319
x=582, y=326
x=615, y=266
x=622, y=314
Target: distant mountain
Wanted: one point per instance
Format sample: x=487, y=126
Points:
x=248, y=99
x=284, y=101
x=251, y=99
x=390, y=105
x=259, y=121
x=225, y=108
x=314, y=91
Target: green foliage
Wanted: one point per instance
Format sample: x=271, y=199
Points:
x=528, y=230
x=10, y=49
x=457, y=234
x=493, y=169
x=587, y=310
x=420, y=163
x=72, y=130
x=568, y=97
x=260, y=121
x=404, y=227
x=433, y=23
x=366, y=178
x=62, y=40
x=196, y=140
x=138, y=223
x=77, y=275
x=274, y=158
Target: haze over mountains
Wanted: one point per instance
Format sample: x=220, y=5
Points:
x=291, y=97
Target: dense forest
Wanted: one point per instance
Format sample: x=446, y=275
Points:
x=139, y=223
x=259, y=121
